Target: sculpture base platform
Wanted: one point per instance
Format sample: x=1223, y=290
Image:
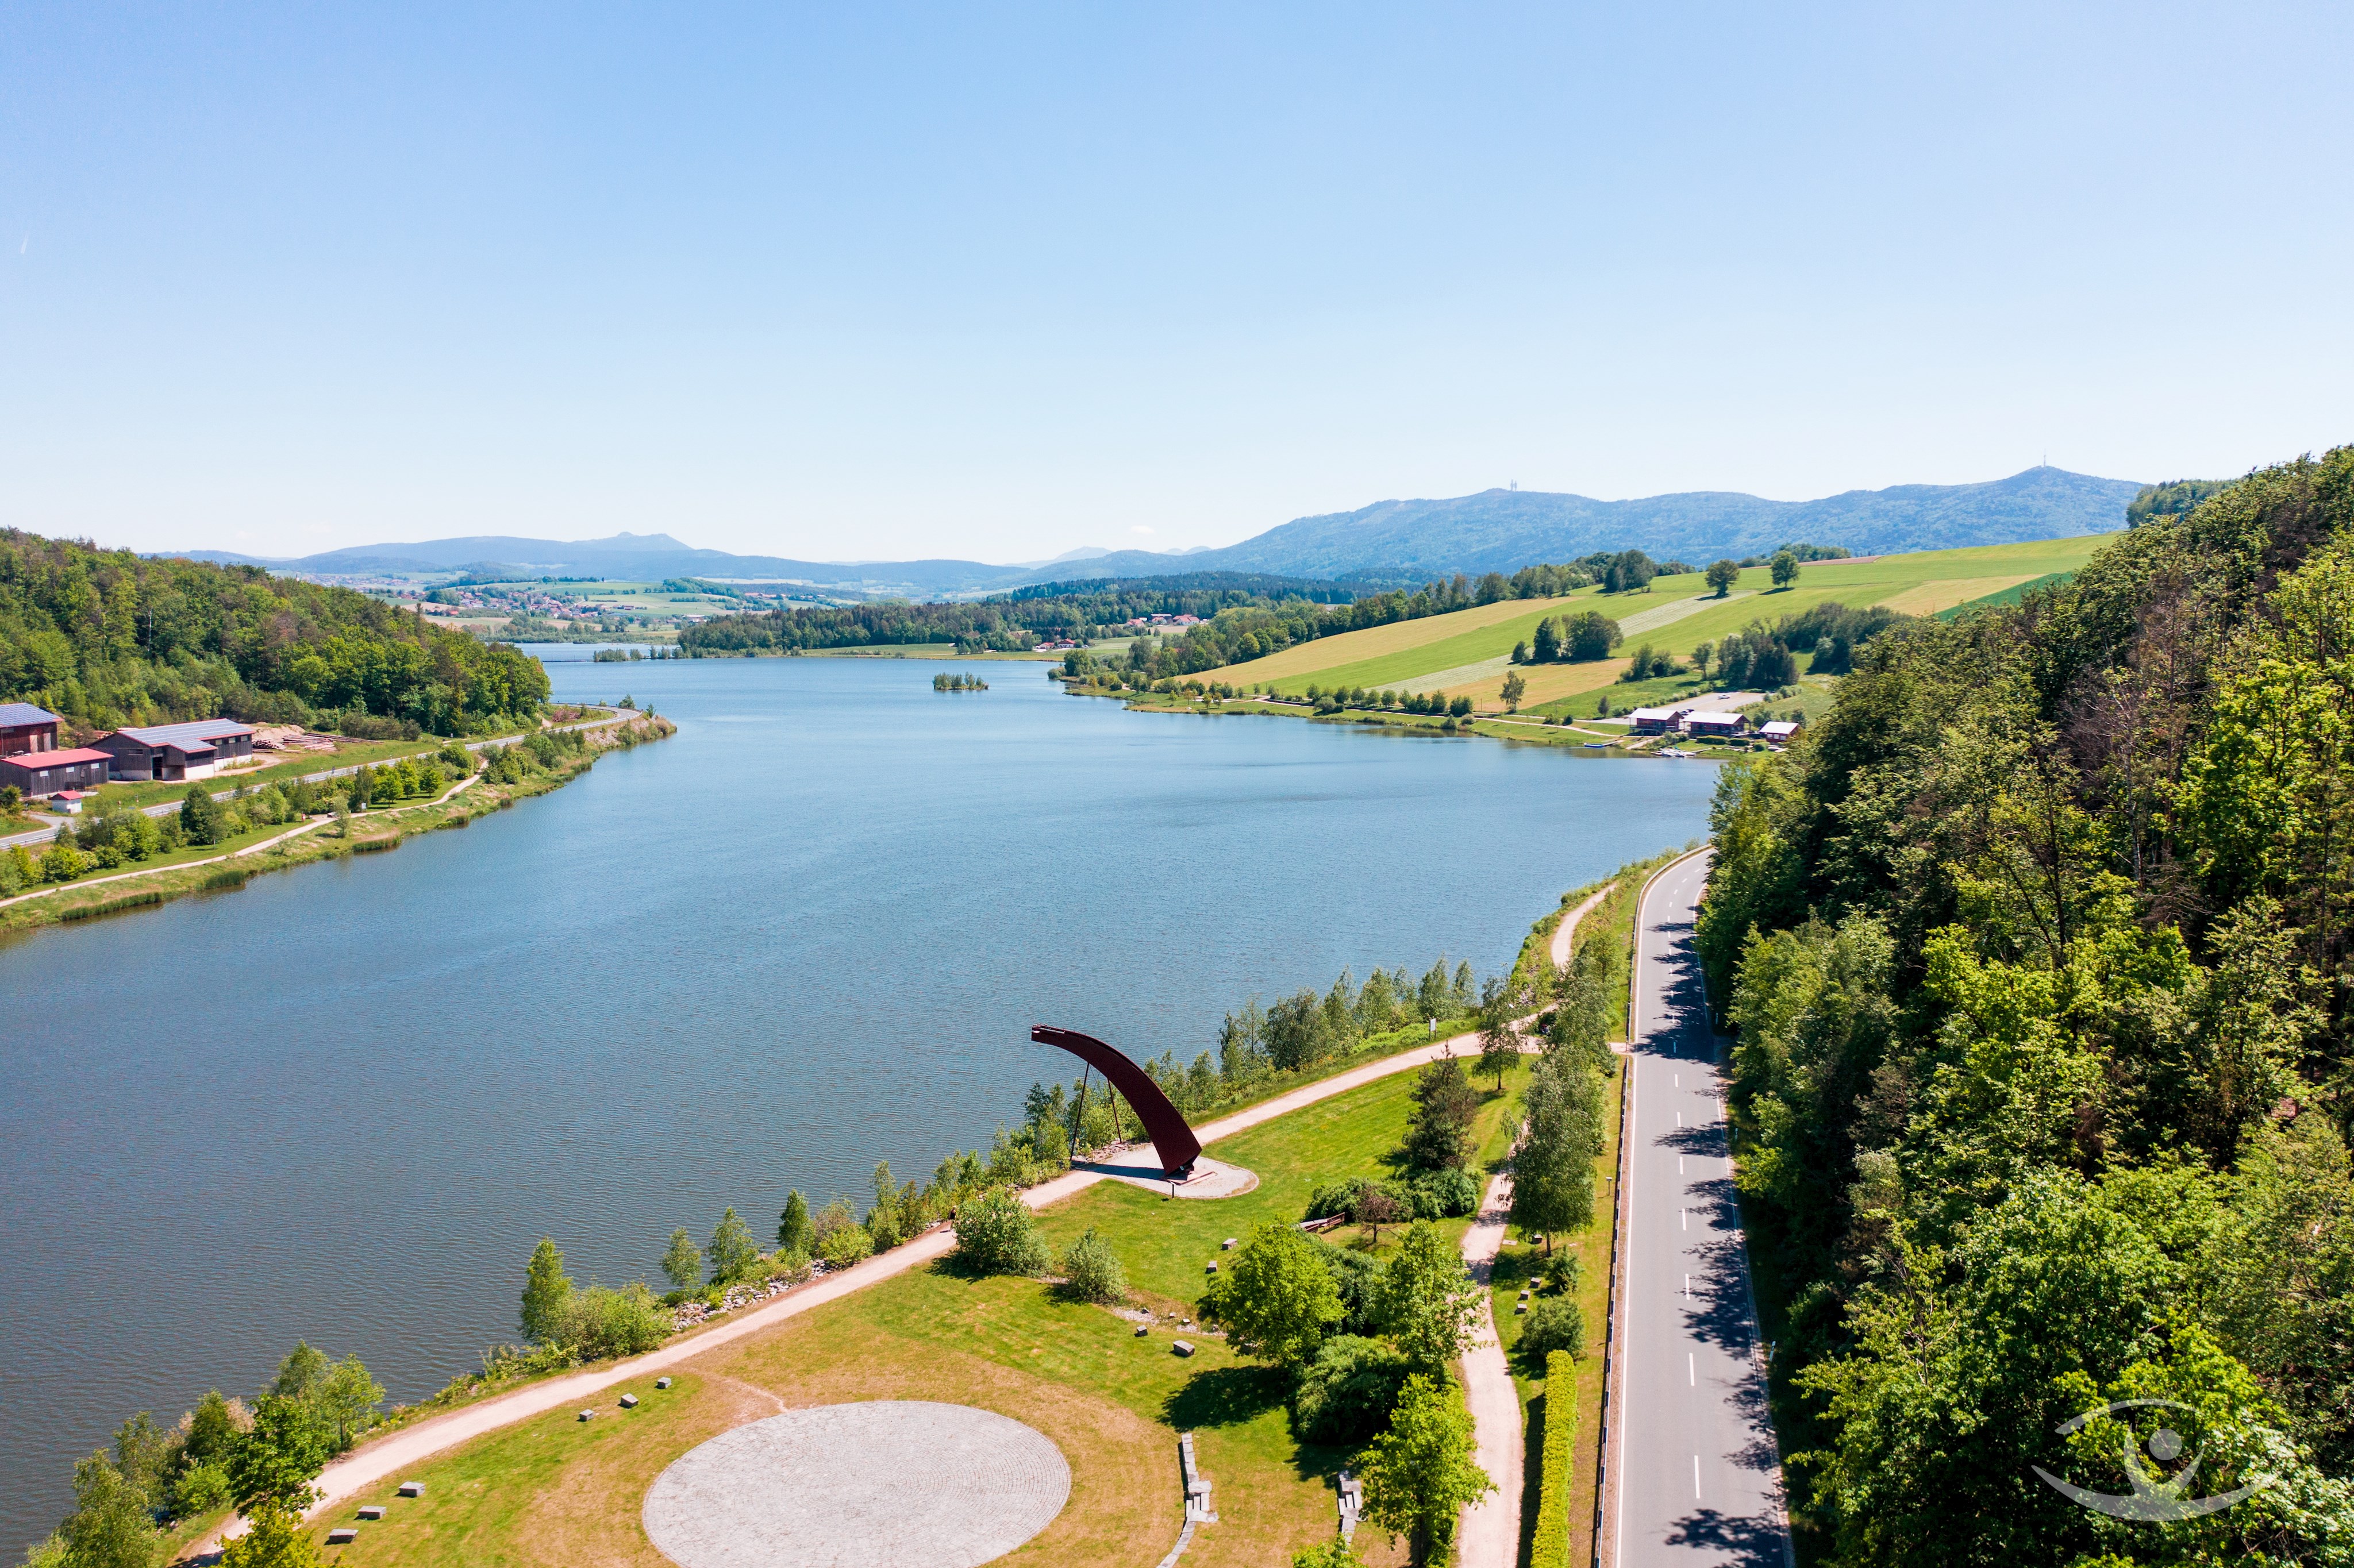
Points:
x=1140, y=1167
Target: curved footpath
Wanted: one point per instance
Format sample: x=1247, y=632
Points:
x=1692, y=1472
x=397, y=1451
x=1489, y=1533
x=1497, y=1421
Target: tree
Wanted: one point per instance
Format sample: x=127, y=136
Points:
x=1275, y=1297
x=1515, y=689
x=1548, y=642
x=1499, y=1043
x=1091, y=1270
x=111, y=1526
x=1785, y=567
x=1553, y=1169
x=1554, y=1323
x=200, y=816
x=683, y=1264
x=1375, y=1206
x=793, y=1232
x=1592, y=635
x=277, y=1458
x=1427, y=1301
x=1702, y=654
x=1721, y=576
x=997, y=1234
x=1419, y=1475
x=546, y=1288
x=1438, y=1129
x=276, y=1538
x=733, y=1251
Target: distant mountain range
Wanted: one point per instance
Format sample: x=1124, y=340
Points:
x=1496, y=530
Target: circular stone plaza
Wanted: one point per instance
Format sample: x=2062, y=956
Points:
x=902, y=1482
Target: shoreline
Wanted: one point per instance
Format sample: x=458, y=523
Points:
x=376, y=830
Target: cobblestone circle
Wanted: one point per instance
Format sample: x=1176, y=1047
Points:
x=900, y=1482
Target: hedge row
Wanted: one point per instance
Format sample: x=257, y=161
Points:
x=1551, y=1549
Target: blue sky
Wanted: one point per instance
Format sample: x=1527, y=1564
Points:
x=881, y=282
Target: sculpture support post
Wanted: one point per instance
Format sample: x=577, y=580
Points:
x=1172, y=1139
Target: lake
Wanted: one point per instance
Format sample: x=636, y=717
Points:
x=810, y=932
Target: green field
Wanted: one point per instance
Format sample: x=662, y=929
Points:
x=1466, y=653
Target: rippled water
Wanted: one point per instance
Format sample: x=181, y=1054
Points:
x=810, y=932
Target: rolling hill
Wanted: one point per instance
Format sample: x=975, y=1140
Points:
x=1466, y=653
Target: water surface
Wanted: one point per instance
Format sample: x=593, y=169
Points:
x=808, y=933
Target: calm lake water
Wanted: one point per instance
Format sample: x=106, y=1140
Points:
x=810, y=932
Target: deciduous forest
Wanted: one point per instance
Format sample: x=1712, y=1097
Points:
x=107, y=638
x=2037, y=950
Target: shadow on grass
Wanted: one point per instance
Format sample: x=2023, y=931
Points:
x=1531, y=1473
x=1226, y=1396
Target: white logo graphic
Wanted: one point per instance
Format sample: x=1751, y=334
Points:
x=2156, y=1497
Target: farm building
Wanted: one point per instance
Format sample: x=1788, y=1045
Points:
x=50, y=771
x=1656, y=721
x=1712, y=723
x=24, y=727
x=175, y=751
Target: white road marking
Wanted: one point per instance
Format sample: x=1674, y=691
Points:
x=1680, y=1164
x=1692, y=1370
x=1687, y=1287
x=1695, y=1476
x=1679, y=1118
x=1683, y=1217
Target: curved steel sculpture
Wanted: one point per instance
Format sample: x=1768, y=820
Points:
x=1172, y=1139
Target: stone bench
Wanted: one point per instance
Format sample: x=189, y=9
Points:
x=412, y=1488
x=373, y=1510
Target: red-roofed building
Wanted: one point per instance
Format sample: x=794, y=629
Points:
x=42, y=773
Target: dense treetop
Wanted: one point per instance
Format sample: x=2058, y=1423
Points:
x=2039, y=950
x=108, y=638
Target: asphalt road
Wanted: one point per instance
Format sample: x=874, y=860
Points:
x=1698, y=1476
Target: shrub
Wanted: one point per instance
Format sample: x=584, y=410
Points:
x=997, y=1234
x=1550, y=1546
x=732, y=1248
x=598, y=1322
x=1446, y=1195
x=842, y=1247
x=1091, y=1270
x=1347, y=1392
x=1555, y=1323
x=201, y=1487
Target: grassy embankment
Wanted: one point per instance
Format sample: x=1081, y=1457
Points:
x=298, y=765
x=1611, y=923
x=557, y=1489
x=1467, y=653
x=161, y=878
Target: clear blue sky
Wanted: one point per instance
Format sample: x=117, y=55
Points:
x=872, y=281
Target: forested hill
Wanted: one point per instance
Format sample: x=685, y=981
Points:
x=108, y=637
x=2037, y=948
x=1496, y=530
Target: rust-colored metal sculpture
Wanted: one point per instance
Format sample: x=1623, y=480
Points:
x=1172, y=1139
